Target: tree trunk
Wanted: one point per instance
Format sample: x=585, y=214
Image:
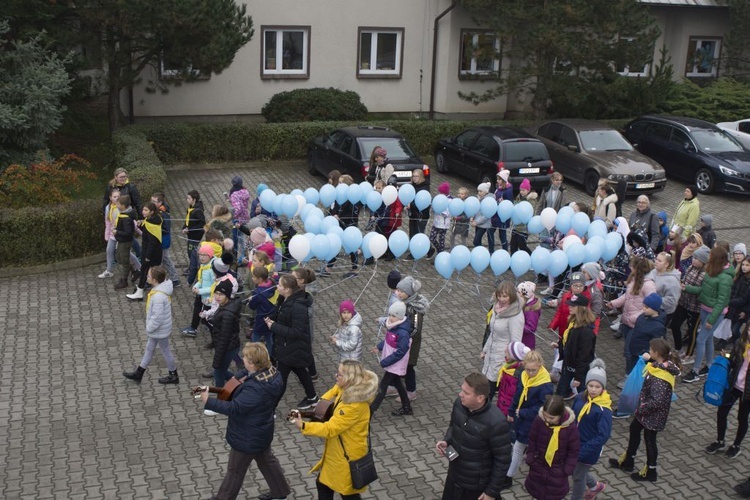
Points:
x=113, y=106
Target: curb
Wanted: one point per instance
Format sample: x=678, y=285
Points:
x=65, y=265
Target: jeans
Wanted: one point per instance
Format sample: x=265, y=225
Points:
x=163, y=345
x=566, y=378
x=742, y=416
x=237, y=467
x=479, y=232
x=704, y=346
x=265, y=337
x=222, y=374
x=581, y=479
x=111, y=247
x=626, y=330
x=166, y=261
x=502, y=231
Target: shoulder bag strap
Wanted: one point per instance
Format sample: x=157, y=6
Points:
x=369, y=445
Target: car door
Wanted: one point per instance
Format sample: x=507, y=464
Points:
x=456, y=156
x=349, y=163
x=683, y=155
x=550, y=135
x=329, y=158
x=654, y=143
x=571, y=152
x=481, y=159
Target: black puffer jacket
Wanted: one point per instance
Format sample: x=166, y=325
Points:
x=739, y=299
x=482, y=440
x=292, y=343
x=736, y=358
x=226, y=330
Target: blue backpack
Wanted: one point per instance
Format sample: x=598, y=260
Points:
x=717, y=381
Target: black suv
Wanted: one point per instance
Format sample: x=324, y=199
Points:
x=693, y=150
x=479, y=153
x=348, y=150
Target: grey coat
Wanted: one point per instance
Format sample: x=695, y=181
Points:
x=159, y=311
x=668, y=286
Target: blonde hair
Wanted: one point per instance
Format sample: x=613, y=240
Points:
x=463, y=190
x=670, y=258
x=262, y=257
x=352, y=372
x=257, y=354
x=420, y=174
x=346, y=179
x=533, y=357
x=583, y=316
x=118, y=171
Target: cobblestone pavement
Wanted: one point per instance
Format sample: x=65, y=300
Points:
x=71, y=427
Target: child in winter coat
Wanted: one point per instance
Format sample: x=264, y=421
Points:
x=440, y=223
x=394, y=356
x=417, y=305
x=649, y=325
x=263, y=301
x=706, y=230
x=519, y=232
x=663, y=232
x=653, y=409
x=593, y=409
x=460, y=222
x=510, y=374
x=531, y=394
x=688, y=307
x=532, y=309
x=739, y=298
x=578, y=346
x=552, y=455
x=592, y=273
x=560, y=320
x=483, y=225
x=348, y=336
x=387, y=218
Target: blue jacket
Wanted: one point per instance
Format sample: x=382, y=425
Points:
x=262, y=301
x=524, y=417
x=250, y=412
x=500, y=195
x=645, y=329
x=594, y=428
x=403, y=334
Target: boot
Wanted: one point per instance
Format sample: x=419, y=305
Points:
x=135, y=275
x=121, y=284
x=648, y=473
x=622, y=462
x=172, y=378
x=136, y=375
x=404, y=410
x=137, y=295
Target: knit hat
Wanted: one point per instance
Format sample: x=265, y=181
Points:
x=225, y=287
x=397, y=310
x=484, y=187
x=380, y=152
x=518, y=350
x=258, y=236
x=741, y=248
x=444, y=188
x=347, y=305
x=409, y=286
x=653, y=301
x=701, y=253
x=578, y=300
x=577, y=278
x=261, y=187
x=593, y=270
x=393, y=278
x=237, y=181
x=206, y=249
x=693, y=191
x=525, y=185
x=504, y=175
x=527, y=289
x=598, y=372
x=220, y=266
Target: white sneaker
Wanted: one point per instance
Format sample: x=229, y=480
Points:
x=615, y=326
x=209, y=413
x=546, y=291
x=105, y=274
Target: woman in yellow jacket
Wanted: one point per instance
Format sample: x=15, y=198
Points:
x=355, y=389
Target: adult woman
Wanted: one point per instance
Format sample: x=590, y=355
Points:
x=418, y=218
x=292, y=344
x=605, y=204
x=713, y=295
x=505, y=326
x=347, y=431
x=380, y=169
x=306, y=277
x=121, y=183
x=687, y=214
x=225, y=332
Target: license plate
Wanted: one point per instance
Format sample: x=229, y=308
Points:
x=528, y=170
x=645, y=185
x=402, y=173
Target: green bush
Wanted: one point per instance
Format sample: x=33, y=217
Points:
x=722, y=101
x=318, y=104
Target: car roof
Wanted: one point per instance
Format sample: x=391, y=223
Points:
x=690, y=123
x=371, y=131
x=581, y=124
x=504, y=133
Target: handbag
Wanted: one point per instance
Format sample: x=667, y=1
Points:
x=363, y=469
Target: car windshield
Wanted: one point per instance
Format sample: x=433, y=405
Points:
x=604, y=140
x=397, y=148
x=714, y=141
x=524, y=152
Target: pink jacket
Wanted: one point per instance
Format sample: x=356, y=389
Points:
x=632, y=305
x=109, y=224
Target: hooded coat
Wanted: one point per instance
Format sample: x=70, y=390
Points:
x=594, y=429
x=349, y=339
x=159, y=311
x=707, y=231
x=292, y=341
x=505, y=328
x=686, y=216
x=239, y=200
x=578, y=351
x=350, y=421
x=645, y=330
x=668, y=286
x=547, y=482
x=151, y=250
x=655, y=399
x=632, y=305
x=531, y=313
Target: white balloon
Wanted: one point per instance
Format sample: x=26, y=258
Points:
x=570, y=240
x=378, y=245
x=301, y=202
x=548, y=218
x=389, y=195
x=299, y=247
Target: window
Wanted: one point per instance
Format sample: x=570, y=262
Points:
x=659, y=131
x=486, y=146
x=568, y=137
x=171, y=69
x=744, y=127
x=631, y=62
x=480, y=54
x=465, y=139
x=380, y=52
x=703, y=55
x=285, y=52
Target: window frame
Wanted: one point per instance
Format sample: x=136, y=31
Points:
x=473, y=74
x=395, y=73
x=626, y=69
x=691, y=67
x=166, y=73
x=280, y=74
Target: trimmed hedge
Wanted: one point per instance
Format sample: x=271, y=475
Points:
x=317, y=104
x=41, y=235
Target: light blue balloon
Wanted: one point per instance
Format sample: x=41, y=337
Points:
x=341, y=193
x=365, y=246
x=278, y=204
x=443, y=264
x=329, y=222
x=563, y=222
x=309, y=237
x=398, y=242
x=419, y=246
x=558, y=263
x=612, y=244
x=296, y=192
x=540, y=258
x=352, y=239
x=535, y=225
x=593, y=252
x=460, y=257
x=488, y=206
x=440, y=203
x=366, y=187
x=406, y=194
x=597, y=228
x=456, y=207
x=423, y=199
x=505, y=210
x=267, y=198
x=317, y=212
x=500, y=262
x=471, y=206
x=354, y=193
x=337, y=231
x=311, y=195
x=480, y=259
x=320, y=246
x=334, y=242
x=523, y=212
x=374, y=200
x=313, y=224
x=327, y=195
x=289, y=206
x=306, y=211
x=520, y=262
x=576, y=254
x=567, y=210
x=580, y=223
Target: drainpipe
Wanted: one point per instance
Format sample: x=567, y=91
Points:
x=434, y=57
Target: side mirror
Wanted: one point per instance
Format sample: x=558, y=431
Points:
x=574, y=148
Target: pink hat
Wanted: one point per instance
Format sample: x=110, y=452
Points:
x=258, y=236
x=206, y=249
x=444, y=188
x=525, y=184
x=347, y=305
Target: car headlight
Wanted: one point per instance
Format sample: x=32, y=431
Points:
x=659, y=174
x=618, y=177
x=728, y=171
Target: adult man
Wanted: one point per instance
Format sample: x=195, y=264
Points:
x=647, y=221
x=251, y=422
x=479, y=434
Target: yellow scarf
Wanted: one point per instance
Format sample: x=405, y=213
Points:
x=603, y=400
x=507, y=368
x=187, y=217
x=659, y=372
x=200, y=271
x=554, y=442
x=153, y=291
x=112, y=213
x=542, y=377
x=567, y=330
x=154, y=229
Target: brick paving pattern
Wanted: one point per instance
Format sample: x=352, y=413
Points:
x=72, y=427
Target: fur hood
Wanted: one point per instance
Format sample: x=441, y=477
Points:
x=532, y=196
x=567, y=419
x=418, y=303
x=534, y=305
x=363, y=392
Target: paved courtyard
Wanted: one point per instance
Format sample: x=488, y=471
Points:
x=71, y=427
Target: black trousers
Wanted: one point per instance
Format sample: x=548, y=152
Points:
x=453, y=491
x=303, y=375
x=679, y=317
x=652, y=452
x=326, y=493
x=394, y=380
x=742, y=417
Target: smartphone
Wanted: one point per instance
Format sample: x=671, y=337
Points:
x=450, y=453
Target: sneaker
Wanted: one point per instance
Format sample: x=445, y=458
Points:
x=176, y=283
x=615, y=326
x=411, y=395
x=690, y=377
x=189, y=331
x=209, y=413
x=402, y=411
x=703, y=371
x=743, y=489
x=308, y=403
x=591, y=494
x=688, y=360
x=732, y=451
x=715, y=446
x=618, y=415
x=546, y=291
x=105, y=274
x=391, y=392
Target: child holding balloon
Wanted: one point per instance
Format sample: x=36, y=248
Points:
x=460, y=222
x=387, y=218
x=440, y=223
x=519, y=232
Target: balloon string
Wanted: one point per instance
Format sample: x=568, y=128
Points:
x=374, y=272
x=439, y=291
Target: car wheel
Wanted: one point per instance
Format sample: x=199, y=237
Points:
x=704, y=181
x=440, y=163
x=591, y=182
x=311, y=168
x=488, y=178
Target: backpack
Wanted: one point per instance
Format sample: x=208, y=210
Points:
x=717, y=381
